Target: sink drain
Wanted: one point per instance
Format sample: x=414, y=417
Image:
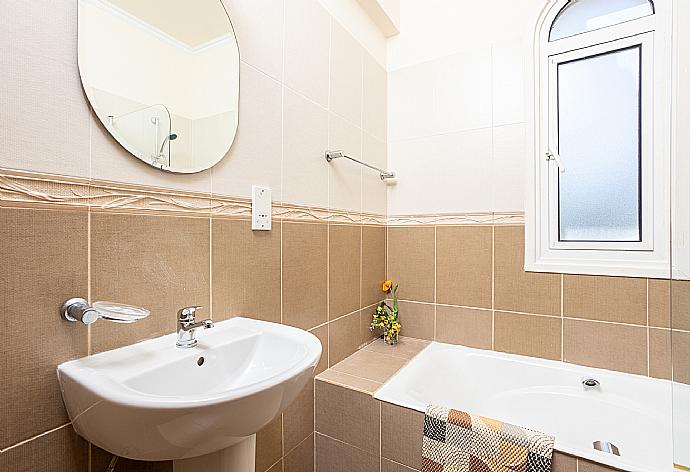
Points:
x=605, y=446
x=200, y=361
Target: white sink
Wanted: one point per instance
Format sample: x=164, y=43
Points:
x=153, y=401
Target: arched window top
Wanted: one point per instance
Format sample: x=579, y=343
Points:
x=580, y=16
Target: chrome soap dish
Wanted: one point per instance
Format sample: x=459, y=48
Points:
x=78, y=310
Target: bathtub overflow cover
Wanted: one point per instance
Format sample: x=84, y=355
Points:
x=605, y=446
x=590, y=383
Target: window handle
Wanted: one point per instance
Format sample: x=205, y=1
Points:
x=553, y=156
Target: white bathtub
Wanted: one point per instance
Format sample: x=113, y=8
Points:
x=631, y=411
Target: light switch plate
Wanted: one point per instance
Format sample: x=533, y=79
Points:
x=261, y=208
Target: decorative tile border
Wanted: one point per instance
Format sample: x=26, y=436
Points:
x=474, y=219
x=19, y=188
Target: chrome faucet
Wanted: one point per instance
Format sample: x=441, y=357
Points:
x=187, y=325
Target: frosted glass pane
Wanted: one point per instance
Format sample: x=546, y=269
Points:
x=599, y=144
x=580, y=16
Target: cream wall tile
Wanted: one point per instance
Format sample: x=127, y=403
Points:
x=346, y=75
x=509, y=168
x=374, y=98
x=345, y=176
x=258, y=26
x=110, y=161
x=508, y=79
x=462, y=91
x=307, y=46
x=410, y=102
x=374, y=190
x=442, y=174
x=256, y=155
x=43, y=111
x=305, y=139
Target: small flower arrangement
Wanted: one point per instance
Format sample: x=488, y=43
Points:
x=386, y=317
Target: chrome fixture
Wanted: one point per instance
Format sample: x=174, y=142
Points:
x=590, y=383
x=187, y=325
x=605, y=446
x=78, y=310
x=384, y=174
x=170, y=137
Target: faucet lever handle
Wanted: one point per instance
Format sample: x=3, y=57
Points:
x=188, y=312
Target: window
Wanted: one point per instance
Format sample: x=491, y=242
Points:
x=602, y=118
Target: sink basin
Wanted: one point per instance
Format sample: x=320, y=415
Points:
x=153, y=401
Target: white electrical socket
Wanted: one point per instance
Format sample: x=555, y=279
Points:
x=261, y=208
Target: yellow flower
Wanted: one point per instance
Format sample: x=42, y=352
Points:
x=387, y=286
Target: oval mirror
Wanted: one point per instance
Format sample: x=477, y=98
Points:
x=163, y=78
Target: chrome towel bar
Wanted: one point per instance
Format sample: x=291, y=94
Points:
x=384, y=174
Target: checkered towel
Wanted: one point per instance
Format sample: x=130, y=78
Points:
x=455, y=441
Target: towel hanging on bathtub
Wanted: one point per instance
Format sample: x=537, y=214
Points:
x=455, y=441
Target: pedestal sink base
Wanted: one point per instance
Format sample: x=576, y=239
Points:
x=237, y=458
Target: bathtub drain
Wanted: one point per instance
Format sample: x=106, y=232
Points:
x=605, y=446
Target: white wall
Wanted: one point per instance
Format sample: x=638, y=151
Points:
x=457, y=105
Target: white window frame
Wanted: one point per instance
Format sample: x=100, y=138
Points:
x=652, y=256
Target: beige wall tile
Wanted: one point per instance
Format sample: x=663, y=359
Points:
x=301, y=458
x=42, y=92
x=515, y=289
x=157, y=262
x=618, y=299
x=346, y=75
x=681, y=356
x=463, y=265
x=343, y=337
x=563, y=462
x=373, y=264
x=255, y=157
x=305, y=274
x=305, y=139
x=660, y=353
x=390, y=466
x=322, y=333
x=659, y=303
x=371, y=365
x=246, y=271
x=269, y=445
x=336, y=456
x=374, y=190
x=417, y=320
x=344, y=255
x=345, y=176
x=347, y=415
x=401, y=435
x=298, y=419
x=605, y=345
x=669, y=300
x=258, y=26
x=528, y=335
x=471, y=328
x=44, y=254
x=307, y=43
x=59, y=451
x=411, y=262
x=375, y=98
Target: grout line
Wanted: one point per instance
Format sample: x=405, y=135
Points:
x=298, y=445
x=89, y=296
x=210, y=266
x=562, y=320
x=380, y=435
x=435, y=277
x=343, y=316
x=649, y=354
x=45, y=433
x=493, y=287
